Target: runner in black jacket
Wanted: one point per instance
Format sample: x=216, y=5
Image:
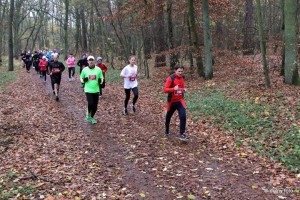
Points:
x=55, y=70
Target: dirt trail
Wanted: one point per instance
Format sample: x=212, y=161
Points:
x=120, y=157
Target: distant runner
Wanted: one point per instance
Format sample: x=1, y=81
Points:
x=71, y=62
x=104, y=69
x=56, y=68
x=130, y=75
x=43, y=66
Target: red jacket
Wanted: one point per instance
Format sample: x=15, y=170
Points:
x=103, y=68
x=177, y=95
x=43, y=65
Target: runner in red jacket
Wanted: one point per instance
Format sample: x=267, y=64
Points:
x=175, y=88
x=104, y=69
x=43, y=65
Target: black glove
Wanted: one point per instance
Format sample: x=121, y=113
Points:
x=85, y=79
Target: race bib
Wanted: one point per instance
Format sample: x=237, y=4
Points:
x=132, y=78
x=178, y=92
x=55, y=70
x=92, y=77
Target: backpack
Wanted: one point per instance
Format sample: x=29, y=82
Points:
x=172, y=76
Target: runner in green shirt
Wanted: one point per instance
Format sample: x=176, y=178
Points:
x=91, y=77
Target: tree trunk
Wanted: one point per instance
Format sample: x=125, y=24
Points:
x=190, y=48
x=84, y=31
x=160, y=42
x=1, y=31
x=207, y=40
x=291, y=75
x=66, y=21
x=248, y=43
x=78, y=37
x=263, y=44
x=173, y=56
x=147, y=36
x=91, y=41
x=10, y=37
x=282, y=31
x=200, y=68
x=16, y=27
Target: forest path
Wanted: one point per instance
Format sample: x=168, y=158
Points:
x=120, y=157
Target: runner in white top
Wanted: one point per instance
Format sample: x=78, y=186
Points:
x=130, y=75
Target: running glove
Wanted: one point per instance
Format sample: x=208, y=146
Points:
x=85, y=79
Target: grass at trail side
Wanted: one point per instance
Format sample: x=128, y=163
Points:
x=271, y=131
x=7, y=76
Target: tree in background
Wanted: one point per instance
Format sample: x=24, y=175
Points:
x=263, y=44
x=10, y=37
x=160, y=39
x=248, y=30
x=196, y=42
x=1, y=30
x=207, y=40
x=291, y=75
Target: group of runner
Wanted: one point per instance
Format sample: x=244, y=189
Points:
x=92, y=77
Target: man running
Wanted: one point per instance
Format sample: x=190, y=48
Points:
x=56, y=68
x=92, y=77
x=174, y=86
x=82, y=63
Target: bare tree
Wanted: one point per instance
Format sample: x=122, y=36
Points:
x=66, y=25
x=248, y=31
x=263, y=44
x=291, y=75
x=160, y=41
x=196, y=42
x=10, y=36
x=207, y=41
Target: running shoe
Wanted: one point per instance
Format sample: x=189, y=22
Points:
x=183, y=137
x=57, y=98
x=88, y=118
x=125, y=111
x=132, y=107
x=93, y=120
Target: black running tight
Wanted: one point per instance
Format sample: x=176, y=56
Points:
x=71, y=72
x=92, y=99
x=127, y=96
x=43, y=73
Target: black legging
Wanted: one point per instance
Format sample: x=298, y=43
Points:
x=92, y=99
x=28, y=65
x=71, y=72
x=135, y=97
x=182, y=116
x=43, y=73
